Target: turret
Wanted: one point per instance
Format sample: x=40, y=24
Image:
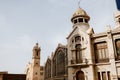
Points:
x=80, y=19
x=36, y=52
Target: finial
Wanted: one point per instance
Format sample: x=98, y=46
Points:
x=37, y=43
x=79, y=3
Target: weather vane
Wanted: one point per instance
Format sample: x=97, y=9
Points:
x=79, y=3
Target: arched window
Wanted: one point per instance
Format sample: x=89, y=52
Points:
x=80, y=75
x=54, y=66
x=77, y=38
x=78, y=53
x=61, y=63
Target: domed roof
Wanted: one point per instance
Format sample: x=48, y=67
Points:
x=80, y=12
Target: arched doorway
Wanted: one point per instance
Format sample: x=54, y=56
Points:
x=80, y=75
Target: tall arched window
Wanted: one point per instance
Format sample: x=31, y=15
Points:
x=61, y=63
x=117, y=42
x=78, y=53
x=54, y=66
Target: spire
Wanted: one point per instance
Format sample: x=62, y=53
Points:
x=36, y=51
x=79, y=3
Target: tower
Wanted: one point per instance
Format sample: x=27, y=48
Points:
x=36, y=63
x=79, y=47
x=33, y=69
x=80, y=19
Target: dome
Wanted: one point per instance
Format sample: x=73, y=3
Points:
x=80, y=13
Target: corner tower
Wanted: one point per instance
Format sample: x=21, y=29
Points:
x=79, y=47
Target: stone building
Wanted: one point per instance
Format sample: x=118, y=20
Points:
x=56, y=65
x=9, y=76
x=90, y=56
x=93, y=56
x=33, y=69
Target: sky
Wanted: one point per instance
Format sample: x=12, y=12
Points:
x=48, y=22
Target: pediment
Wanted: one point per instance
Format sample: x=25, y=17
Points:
x=77, y=31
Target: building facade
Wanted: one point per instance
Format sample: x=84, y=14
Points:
x=33, y=69
x=56, y=65
x=90, y=56
x=93, y=56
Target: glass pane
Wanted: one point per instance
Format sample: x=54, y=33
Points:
x=104, y=76
x=106, y=53
x=99, y=76
x=103, y=54
x=108, y=73
x=99, y=54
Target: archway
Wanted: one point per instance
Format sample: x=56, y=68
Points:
x=80, y=75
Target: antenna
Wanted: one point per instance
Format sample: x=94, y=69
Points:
x=79, y=3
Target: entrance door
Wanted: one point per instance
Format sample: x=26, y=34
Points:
x=80, y=75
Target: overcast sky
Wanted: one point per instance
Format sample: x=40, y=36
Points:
x=48, y=22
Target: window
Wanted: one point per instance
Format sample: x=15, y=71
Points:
x=54, y=67
x=99, y=76
x=36, y=73
x=117, y=42
x=75, y=21
x=104, y=75
x=73, y=41
x=77, y=38
x=41, y=73
x=37, y=52
x=82, y=39
x=86, y=21
x=80, y=19
x=119, y=20
x=61, y=63
x=108, y=74
x=101, y=52
x=78, y=53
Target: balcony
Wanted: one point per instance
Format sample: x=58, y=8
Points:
x=79, y=62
